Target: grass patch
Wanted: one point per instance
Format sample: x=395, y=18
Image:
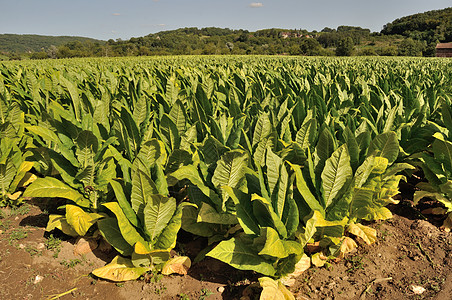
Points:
x=17, y=234
x=53, y=244
x=71, y=263
x=20, y=210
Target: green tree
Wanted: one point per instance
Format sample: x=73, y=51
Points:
x=345, y=47
x=410, y=47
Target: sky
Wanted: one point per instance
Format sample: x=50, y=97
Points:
x=123, y=19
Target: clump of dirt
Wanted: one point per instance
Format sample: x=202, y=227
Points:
x=410, y=255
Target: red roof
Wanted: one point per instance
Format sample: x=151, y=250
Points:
x=444, y=46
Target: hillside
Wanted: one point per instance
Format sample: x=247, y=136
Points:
x=34, y=43
x=428, y=26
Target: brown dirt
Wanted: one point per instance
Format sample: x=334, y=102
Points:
x=409, y=252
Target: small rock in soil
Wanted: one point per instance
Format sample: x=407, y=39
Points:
x=38, y=279
x=418, y=290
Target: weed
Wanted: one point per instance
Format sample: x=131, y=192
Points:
x=153, y=277
x=70, y=263
x=5, y=224
x=20, y=210
x=53, y=243
x=205, y=293
x=17, y=234
x=384, y=234
x=183, y=296
x=33, y=251
x=159, y=289
x=356, y=263
x=120, y=284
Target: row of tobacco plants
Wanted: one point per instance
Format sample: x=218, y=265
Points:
x=261, y=156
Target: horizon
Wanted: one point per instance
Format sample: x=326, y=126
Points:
x=104, y=20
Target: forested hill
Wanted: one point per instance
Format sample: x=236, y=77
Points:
x=30, y=42
x=431, y=26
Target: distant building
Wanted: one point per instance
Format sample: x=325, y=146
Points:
x=444, y=50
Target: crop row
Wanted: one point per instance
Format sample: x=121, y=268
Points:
x=261, y=156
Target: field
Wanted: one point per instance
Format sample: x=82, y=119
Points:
x=221, y=177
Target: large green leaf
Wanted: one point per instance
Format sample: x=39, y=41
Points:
x=167, y=239
x=230, y=169
x=323, y=150
x=152, y=151
x=20, y=175
x=278, y=180
x=208, y=214
x=306, y=135
x=244, y=210
x=241, y=256
x=87, y=146
x=262, y=130
x=305, y=192
x=123, y=202
x=442, y=151
x=129, y=233
x=169, y=132
x=353, y=148
x=385, y=145
x=266, y=216
x=7, y=172
x=177, y=115
x=49, y=187
x=157, y=213
x=142, y=187
x=267, y=143
x=109, y=229
x=190, y=224
x=371, y=165
x=336, y=173
x=275, y=247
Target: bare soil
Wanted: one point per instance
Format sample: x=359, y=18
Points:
x=411, y=252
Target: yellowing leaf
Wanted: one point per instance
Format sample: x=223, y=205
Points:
x=28, y=179
x=321, y=222
x=369, y=235
x=274, y=290
x=160, y=256
x=80, y=220
x=318, y=260
x=178, y=265
x=59, y=222
x=14, y=196
x=50, y=187
x=120, y=269
x=302, y=265
x=141, y=248
x=347, y=245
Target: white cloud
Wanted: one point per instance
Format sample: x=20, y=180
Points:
x=116, y=14
x=256, y=4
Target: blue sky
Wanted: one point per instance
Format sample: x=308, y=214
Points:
x=105, y=19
